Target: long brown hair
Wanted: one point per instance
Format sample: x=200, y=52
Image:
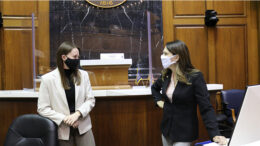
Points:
x=64, y=49
x=184, y=66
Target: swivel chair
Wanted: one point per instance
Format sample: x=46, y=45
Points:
x=31, y=130
x=231, y=102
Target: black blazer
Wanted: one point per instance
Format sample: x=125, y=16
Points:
x=180, y=121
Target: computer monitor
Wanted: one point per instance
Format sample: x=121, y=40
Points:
x=247, y=127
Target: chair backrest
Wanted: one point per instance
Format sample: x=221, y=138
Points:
x=233, y=99
x=31, y=130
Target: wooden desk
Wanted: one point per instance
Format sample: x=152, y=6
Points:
x=108, y=74
x=126, y=117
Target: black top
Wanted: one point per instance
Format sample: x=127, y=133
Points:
x=70, y=93
x=180, y=121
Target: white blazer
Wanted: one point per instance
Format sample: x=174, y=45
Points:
x=52, y=102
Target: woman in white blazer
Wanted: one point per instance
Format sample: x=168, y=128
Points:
x=66, y=97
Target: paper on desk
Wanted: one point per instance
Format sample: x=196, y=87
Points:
x=215, y=144
x=212, y=144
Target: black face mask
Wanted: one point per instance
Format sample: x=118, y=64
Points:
x=73, y=64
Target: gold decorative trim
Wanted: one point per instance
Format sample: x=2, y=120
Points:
x=106, y=3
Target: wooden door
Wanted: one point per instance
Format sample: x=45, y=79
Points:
x=226, y=54
x=16, y=42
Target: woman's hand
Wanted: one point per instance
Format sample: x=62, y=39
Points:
x=221, y=140
x=76, y=124
x=160, y=103
x=71, y=119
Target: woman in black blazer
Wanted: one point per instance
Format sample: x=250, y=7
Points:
x=178, y=91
